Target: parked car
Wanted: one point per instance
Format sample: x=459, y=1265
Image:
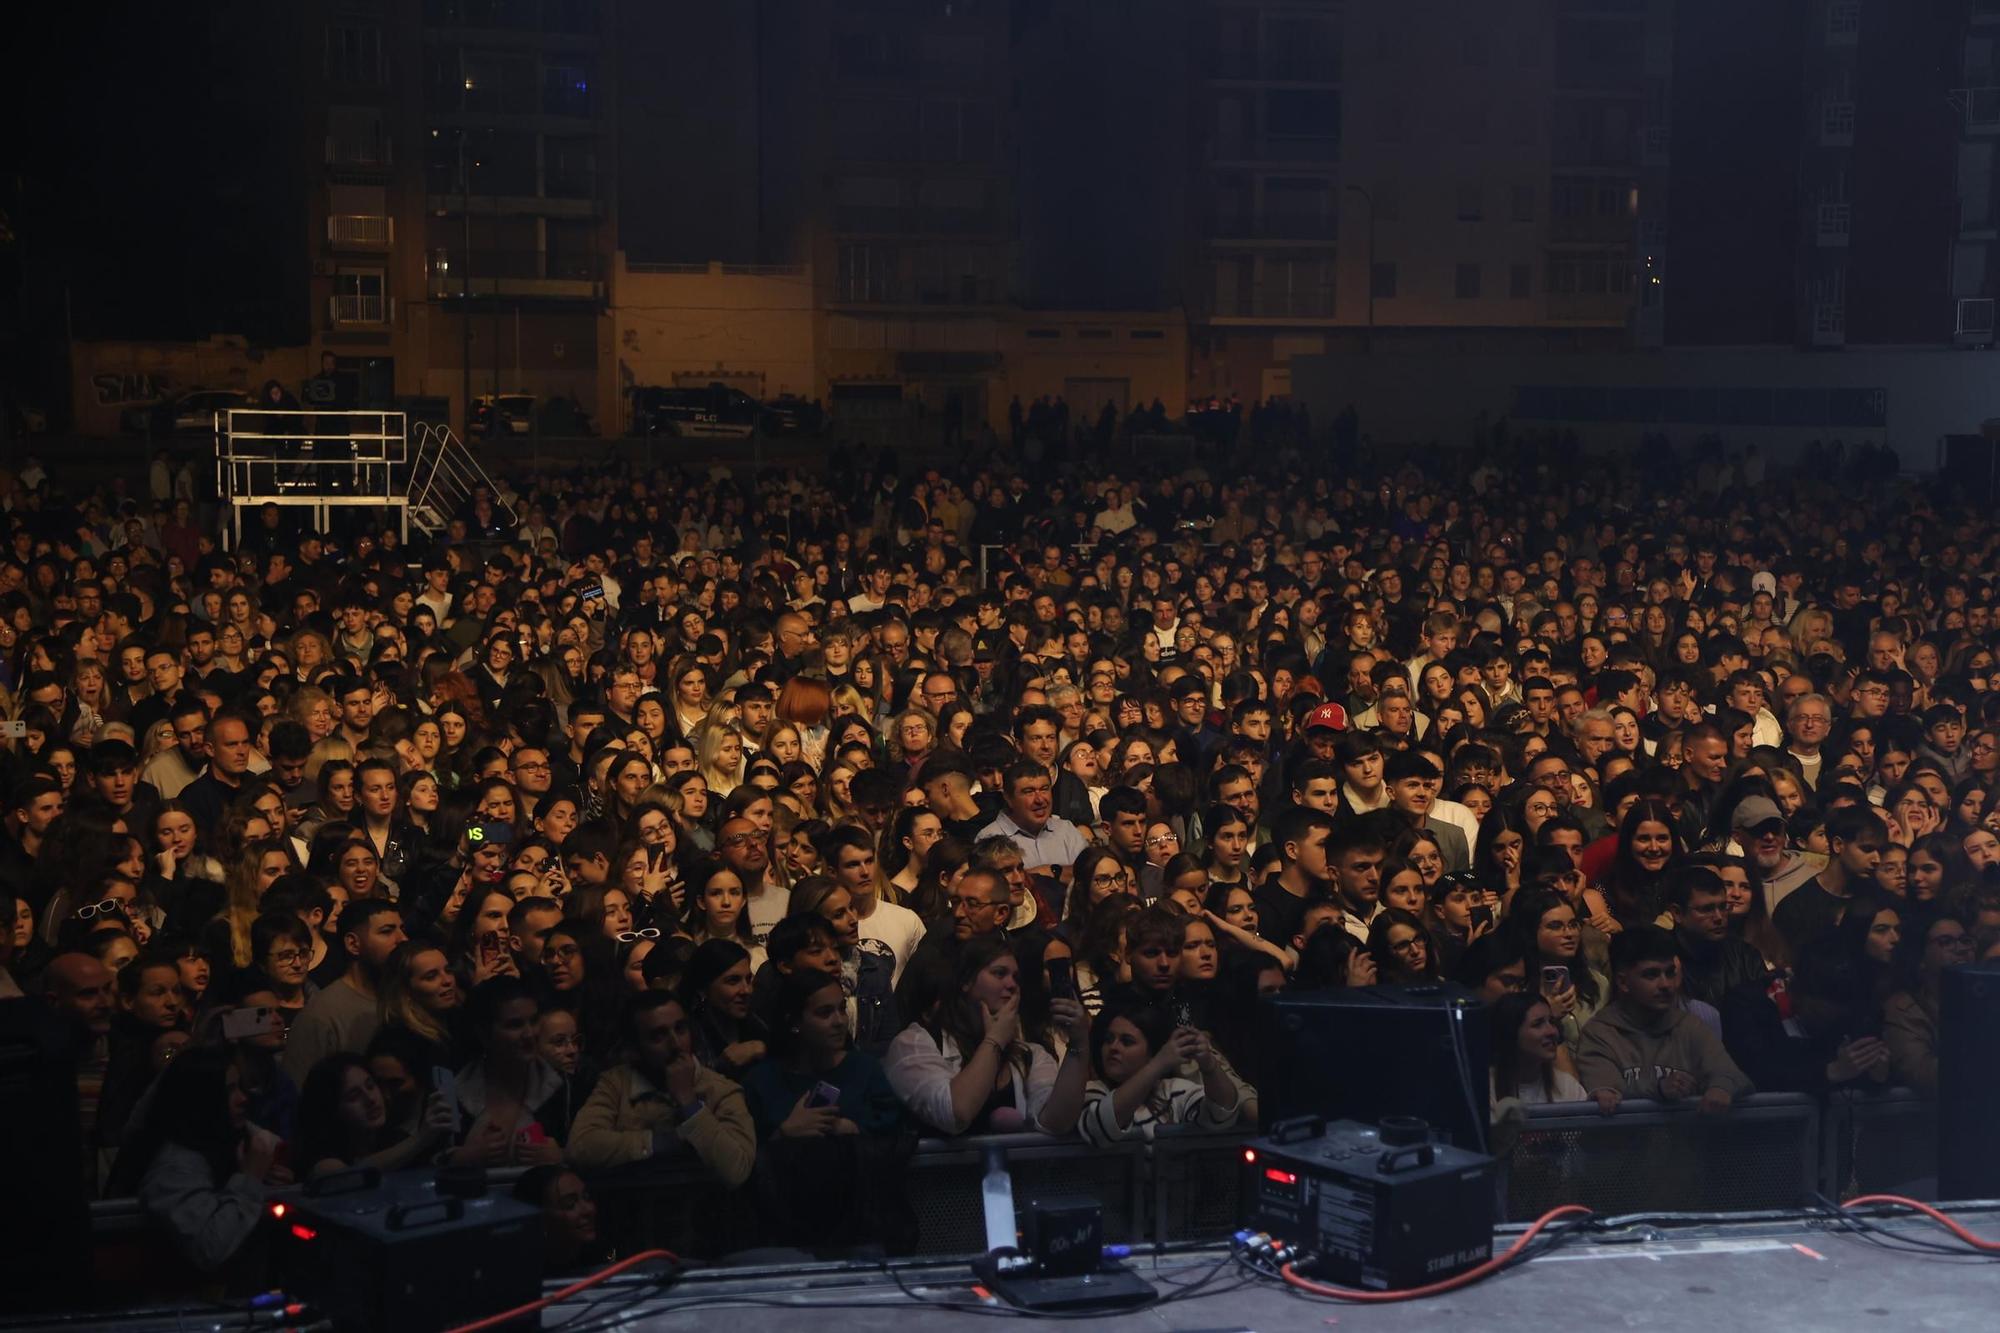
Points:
x=789, y=414
x=711, y=410
x=508, y=414
x=190, y=413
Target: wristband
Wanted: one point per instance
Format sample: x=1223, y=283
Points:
x=1000, y=1050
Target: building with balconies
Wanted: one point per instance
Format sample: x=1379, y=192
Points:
x=461, y=227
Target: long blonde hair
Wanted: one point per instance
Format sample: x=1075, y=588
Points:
x=246, y=894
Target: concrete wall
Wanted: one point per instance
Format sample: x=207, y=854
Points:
x=1146, y=352
x=1925, y=394
x=751, y=329
x=108, y=377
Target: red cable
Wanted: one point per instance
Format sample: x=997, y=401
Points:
x=1466, y=1278
x=581, y=1284
x=1977, y=1242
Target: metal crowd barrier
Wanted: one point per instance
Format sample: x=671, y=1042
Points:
x=1768, y=1152
x=1880, y=1142
x=1653, y=1156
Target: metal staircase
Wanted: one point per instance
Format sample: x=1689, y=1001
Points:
x=444, y=475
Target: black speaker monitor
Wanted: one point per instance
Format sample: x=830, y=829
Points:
x=1968, y=1082
x=1377, y=1052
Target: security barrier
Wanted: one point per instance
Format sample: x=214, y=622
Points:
x=1881, y=1142
x=1767, y=1152
x=1659, y=1157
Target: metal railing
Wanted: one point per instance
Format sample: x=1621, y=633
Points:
x=361, y=230
x=1883, y=1142
x=1656, y=1156
x=320, y=460
x=1771, y=1151
x=444, y=477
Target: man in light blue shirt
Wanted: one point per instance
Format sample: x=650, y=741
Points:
x=1049, y=843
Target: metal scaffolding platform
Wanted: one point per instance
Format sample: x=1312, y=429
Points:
x=323, y=461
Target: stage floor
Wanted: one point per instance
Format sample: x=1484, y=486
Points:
x=1654, y=1276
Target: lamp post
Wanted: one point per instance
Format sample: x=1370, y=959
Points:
x=1368, y=273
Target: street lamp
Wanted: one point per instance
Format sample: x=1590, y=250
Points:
x=1368, y=273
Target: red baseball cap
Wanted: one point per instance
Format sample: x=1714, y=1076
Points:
x=1329, y=715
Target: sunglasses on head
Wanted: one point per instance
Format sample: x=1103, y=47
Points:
x=628, y=936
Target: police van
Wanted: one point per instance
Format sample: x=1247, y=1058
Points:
x=709, y=410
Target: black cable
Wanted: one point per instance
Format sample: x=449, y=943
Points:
x=585, y=1322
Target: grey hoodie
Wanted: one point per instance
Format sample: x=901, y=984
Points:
x=1622, y=1052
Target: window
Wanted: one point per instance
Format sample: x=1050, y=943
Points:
x=1521, y=282
x=1393, y=125
x=353, y=54
x=1472, y=118
x=355, y=138
x=956, y=132
x=358, y=297
x=569, y=168
x=1471, y=203
x=866, y=273
x=1465, y=282
x=1302, y=115
x=1382, y=282
x=1523, y=203
x=566, y=90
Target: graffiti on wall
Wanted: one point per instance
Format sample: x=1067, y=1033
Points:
x=127, y=388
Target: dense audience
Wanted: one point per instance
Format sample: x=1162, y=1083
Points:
x=754, y=826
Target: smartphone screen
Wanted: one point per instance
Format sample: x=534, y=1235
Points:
x=1062, y=978
x=245, y=1022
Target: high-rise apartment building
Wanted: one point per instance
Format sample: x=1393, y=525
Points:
x=462, y=221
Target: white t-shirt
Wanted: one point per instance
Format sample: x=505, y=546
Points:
x=896, y=926
x=767, y=908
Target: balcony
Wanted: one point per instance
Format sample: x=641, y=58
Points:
x=371, y=153
x=359, y=309
x=1273, y=227
x=1833, y=223
x=360, y=231
x=1978, y=220
x=896, y=289
x=1607, y=308
x=1982, y=110
x=1292, y=151
x=1592, y=229
x=1974, y=325
x=523, y=274
x=865, y=221
x=1275, y=304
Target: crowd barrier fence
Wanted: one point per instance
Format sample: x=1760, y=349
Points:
x=1770, y=1151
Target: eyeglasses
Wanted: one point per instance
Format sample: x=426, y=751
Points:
x=560, y=954
x=1411, y=945
x=739, y=839
x=532, y=766
x=1164, y=840
x=628, y=936
x=957, y=904
x=104, y=908
x=288, y=957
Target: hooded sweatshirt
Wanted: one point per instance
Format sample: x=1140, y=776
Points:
x=1631, y=1053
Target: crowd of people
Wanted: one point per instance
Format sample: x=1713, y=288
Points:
x=659, y=823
